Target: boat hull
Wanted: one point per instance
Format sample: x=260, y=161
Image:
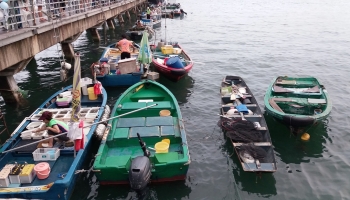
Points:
x=121, y=145
x=53, y=187
x=174, y=74
x=248, y=133
x=297, y=101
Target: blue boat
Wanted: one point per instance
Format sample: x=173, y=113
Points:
x=64, y=165
x=108, y=71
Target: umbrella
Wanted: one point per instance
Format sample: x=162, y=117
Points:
x=76, y=90
x=75, y=131
x=145, y=51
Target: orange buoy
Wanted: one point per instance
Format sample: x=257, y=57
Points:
x=305, y=137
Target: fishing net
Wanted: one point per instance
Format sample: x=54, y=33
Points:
x=242, y=131
x=258, y=153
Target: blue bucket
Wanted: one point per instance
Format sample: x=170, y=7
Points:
x=175, y=62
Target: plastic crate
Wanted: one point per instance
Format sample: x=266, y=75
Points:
x=167, y=50
x=46, y=154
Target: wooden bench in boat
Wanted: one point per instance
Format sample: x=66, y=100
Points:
x=149, y=128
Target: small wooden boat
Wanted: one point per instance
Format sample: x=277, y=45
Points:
x=108, y=72
x=18, y=176
x=135, y=33
x=297, y=102
x=149, y=110
x=171, y=61
x=153, y=23
x=245, y=126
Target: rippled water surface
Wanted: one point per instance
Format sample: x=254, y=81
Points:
x=256, y=40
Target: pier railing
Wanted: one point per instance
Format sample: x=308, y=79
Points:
x=22, y=14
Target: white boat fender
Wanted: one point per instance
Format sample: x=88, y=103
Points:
x=100, y=129
x=66, y=66
x=63, y=74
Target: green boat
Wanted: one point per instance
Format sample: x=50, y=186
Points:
x=298, y=102
x=148, y=110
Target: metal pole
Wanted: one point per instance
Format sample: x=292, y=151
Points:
x=82, y=127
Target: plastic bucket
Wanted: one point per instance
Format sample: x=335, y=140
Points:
x=161, y=147
x=91, y=93
x=175, y=62
x=166, y=140
x=42, y=170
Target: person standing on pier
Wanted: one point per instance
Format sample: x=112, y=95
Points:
x=124, y=45
x=148, y=11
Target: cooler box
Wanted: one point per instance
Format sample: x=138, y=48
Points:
x=4, y=177
x=63, y=102
x=177, y=50
x=127, y=66
x=27, y=174
x=174, y=62
x=167, y=49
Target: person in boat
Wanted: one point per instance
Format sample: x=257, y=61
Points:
x=54, y=127
x=139, y=24
x=124, y=46
x=148, y=11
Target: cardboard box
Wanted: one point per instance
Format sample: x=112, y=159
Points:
x=127, y=66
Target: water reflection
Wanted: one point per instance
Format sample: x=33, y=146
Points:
x=182, y=89
x=290, y=148
x=265, y=183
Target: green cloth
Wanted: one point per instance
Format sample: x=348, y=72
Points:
x=53, y=122
x=148, y=11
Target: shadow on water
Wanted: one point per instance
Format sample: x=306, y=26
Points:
x=263, y=184
x=290, y=148
x=182, y=89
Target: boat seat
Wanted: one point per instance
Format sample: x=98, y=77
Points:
x=317, y=101
x=133, y=105
x=118, y=161
x=119, y=137
x=167, y=130
x=144, y=131
x=161, y=105
x=159, y=121
x=131, y=122
x=166, y=157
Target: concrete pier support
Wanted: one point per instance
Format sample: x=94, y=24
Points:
x=94, y=33
x=127, y=14
x=8, y=85
x=68, y=50
x=120, y=19
x=110, y=24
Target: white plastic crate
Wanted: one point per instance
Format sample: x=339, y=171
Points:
x=46, y=154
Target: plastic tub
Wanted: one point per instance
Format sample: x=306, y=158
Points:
x=164, y=113
x=174, y=62
x=91, y=93
x=161, y=147
x=42, y=170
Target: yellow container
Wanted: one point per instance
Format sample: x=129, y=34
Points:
x=27, y=174
x=167, y=50
x=166, y=140
x=161, y=147
x=91, y=93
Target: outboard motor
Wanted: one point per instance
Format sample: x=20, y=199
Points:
x=140, y=169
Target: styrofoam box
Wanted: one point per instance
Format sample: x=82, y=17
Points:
x=4, y=180
x=14, y=179
x=127, y=66
x=44, y=154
